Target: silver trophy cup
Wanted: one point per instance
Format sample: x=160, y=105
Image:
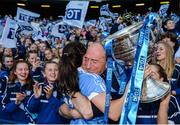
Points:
x=124, y=48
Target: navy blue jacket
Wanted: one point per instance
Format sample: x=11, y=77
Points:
x=7, y=70
x=37, y=75
x=17, y=113
x=3, y=82
x=174, y=111
x=147, y=113
x=47, y=109
x=175, y=81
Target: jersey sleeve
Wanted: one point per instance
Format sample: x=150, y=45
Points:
x=91, y=85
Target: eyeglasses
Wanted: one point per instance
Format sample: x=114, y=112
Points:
x=93, y=61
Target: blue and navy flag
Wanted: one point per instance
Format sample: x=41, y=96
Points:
x=25, y=15
x=174, y=17
x=163, y=10
x=8, y=39
x=104, y=10
x=75, y=13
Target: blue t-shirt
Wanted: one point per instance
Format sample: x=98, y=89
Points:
x=90, y=85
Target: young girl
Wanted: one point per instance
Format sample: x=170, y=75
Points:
x=17, y=94
x=164, y=57
x=45, y=101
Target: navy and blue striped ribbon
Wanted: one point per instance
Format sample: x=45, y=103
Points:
x=130, y=108
x=108, y=48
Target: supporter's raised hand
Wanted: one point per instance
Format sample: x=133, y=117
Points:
x=37, y=90
x=48, y=90
x=36, y=64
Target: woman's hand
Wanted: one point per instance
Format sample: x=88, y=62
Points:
x=147, y=71
x=37, y=90
x=48, y=90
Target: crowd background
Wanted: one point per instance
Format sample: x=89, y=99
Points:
x=35, y=59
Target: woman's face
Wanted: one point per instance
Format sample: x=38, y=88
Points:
x=160, y=52
x=22, y=72
x=48, y=54
x=51, y=72
x=170, y=25
x=33, y=47
x=8, y=52
x=28, y=42
x=32, y=58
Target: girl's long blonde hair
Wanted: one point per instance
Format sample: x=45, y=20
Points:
x=168, y=64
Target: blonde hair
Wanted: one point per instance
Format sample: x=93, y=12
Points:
x=168, y=64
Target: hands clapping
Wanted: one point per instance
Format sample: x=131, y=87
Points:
x=48, y=89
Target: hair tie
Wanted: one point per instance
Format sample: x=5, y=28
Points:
x=66, y=54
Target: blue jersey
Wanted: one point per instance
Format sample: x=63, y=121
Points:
x=90, y=85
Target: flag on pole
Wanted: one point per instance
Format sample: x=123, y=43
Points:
x=25, y=15
x=75, y=13
x=8, y=39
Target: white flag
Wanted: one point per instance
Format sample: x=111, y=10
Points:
x=25, y=15
x=8, y=39
x=75, y=13
x=163, y=9
x=26, y=28
x=104, y=10
x=175, y=17
x=91, y=23
x=59, y=29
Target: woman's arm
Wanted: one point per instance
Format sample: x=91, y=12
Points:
x=115, y=107
x=162, y=117
x=69, y=113
x=83, y=105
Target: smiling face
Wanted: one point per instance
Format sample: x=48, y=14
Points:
x=32, y=57
x=48, y=54
x=8, y=62
x=94, y=61
x=51, y=72
x=22, y=72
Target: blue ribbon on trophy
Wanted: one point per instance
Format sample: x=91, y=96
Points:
x=108, y=48
x=130, y=108
x=113, y=66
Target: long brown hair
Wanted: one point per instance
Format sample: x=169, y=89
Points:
x=68, y=74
